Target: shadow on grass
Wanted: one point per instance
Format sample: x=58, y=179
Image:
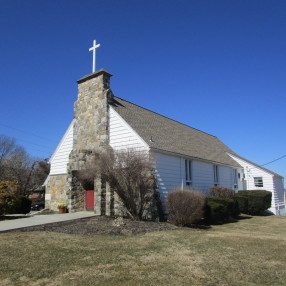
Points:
x=208, y=224
x=238, y=218
x=266, y=213
x=242, y=217
x=201, y=226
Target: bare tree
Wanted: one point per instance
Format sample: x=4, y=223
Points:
x=40, y=173
x=7, y=146
x=18, y=166
x=130, y=174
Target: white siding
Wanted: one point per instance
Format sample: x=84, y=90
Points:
x=252, y=171
x=170, y=171
x=279, y=188
x=203, y=176
x=169, y=174
x=279, y=196
x=226, y=177
x=60, y=157
x=271, y=183
x=122, y=136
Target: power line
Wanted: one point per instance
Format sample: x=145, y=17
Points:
x=27, y=132
x=47, y=154
x=274, y=160
x=35, y=144
x=269, y=162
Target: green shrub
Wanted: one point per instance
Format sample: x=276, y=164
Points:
x=215, y=212
x=185, y=207
x=222, y=192
x=23, y=205
x=8, y=196
x=235, y=211
x=10, y=200
x=219, y=210
x=242, y=202
x=257, y=200
x=8, y=204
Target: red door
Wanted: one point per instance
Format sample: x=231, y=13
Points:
x=89, y=200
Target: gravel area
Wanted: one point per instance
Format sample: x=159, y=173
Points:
x=103, y=225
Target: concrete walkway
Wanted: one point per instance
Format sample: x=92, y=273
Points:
x=7, y=225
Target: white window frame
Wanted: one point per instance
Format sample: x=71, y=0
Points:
x=235, y=179
x=258, y=182
x=216, y=175
x=188, y=172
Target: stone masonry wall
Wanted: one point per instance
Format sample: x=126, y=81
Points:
x=91, y=130
x=107, y=201
x=56, y=189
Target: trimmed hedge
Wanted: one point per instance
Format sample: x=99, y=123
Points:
x=219, y=210
x=257, y=201
x=242, y=202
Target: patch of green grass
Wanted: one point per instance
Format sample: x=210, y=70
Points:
x=248, y=252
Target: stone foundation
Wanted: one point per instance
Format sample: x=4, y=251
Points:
x=107, y=202
x=75, y=193
x=56, y=191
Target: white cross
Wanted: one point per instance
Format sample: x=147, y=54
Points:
x=93, y=58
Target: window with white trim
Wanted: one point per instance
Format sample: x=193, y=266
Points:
x=235, y=178
x=258, y=181
x=188, y=172
x=215, y=175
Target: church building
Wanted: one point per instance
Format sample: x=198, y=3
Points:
x=183, y=156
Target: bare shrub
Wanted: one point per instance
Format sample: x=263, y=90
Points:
x=185, y=207
x=130, y=174
x=222, y=192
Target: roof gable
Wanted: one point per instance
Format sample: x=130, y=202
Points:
x=256, y=165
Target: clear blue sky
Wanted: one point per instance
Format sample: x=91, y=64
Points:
x=218, y=66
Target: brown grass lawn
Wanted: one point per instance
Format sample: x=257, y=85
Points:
x=249, y=252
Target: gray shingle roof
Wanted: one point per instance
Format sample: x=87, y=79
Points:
x=166, y=134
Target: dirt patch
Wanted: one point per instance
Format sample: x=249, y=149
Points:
x=103, y=225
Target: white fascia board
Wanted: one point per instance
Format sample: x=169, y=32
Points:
x=130, y=128
x=254, y=166
x=62, y=140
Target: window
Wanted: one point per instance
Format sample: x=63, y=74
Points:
x=258, y=181
x=235, y=177
x=215, y=175
x=188, y=172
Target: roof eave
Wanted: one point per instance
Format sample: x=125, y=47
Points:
x=257, y=166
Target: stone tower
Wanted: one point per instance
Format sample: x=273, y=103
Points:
x=91, y=129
